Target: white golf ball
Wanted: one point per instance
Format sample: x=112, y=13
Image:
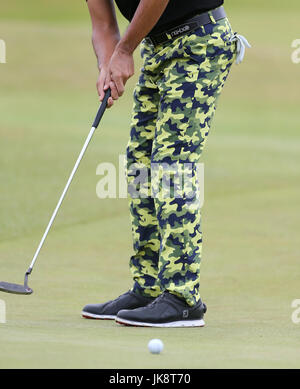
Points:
x=155, y=346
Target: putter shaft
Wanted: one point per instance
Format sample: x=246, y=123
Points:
x=85, y=146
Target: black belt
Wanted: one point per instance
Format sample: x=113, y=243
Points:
x=188, y=26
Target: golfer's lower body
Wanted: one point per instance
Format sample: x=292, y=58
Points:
x=174, y=103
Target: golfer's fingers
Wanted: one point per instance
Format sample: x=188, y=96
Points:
x=110, y=102
x=100, y=90
x=119, y=85
x=113, y=90
x=100, y=86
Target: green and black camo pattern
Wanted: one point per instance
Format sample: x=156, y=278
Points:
x=174, y=103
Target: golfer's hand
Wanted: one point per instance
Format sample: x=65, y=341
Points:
x=100, y=85
x=120, y=69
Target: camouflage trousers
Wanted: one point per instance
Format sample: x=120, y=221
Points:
x=174, y=103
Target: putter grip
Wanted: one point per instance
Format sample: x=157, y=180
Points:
x=101, y=109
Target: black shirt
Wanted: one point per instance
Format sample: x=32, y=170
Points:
x=176, y=11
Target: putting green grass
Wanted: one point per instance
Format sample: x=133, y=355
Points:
x=250, y=269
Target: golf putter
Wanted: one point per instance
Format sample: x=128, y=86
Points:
x=25, y=289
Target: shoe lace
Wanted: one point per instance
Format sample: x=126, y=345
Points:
x=158, y=299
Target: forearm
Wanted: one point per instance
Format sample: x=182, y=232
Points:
x=103, y=50
x=145, y=18
x=105, y=34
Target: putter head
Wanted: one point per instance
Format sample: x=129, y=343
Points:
x=15, y=288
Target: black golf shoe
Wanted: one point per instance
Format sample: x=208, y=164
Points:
x=167, y=310
x=109, y=310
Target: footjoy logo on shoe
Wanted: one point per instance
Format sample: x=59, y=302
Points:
x=2, y=312
x=180, y=31
x=185, y=314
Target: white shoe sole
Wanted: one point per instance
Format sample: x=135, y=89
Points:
x=88, y=315
x=174, y=324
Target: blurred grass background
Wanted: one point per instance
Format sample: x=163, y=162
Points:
x=250, y=271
